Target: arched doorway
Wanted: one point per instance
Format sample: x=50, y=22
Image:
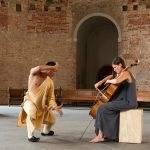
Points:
x=97, y=44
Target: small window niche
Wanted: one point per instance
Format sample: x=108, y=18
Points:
x=135, y=7
x=124, y=8
x=148, y=6
x=18, y=8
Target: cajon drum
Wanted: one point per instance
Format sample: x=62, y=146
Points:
x=131, y=124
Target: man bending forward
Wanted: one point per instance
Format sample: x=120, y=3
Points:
x=39, y=101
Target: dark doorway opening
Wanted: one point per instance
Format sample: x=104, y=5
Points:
x=97, y=45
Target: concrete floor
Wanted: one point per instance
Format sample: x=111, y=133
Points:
x=68, y=130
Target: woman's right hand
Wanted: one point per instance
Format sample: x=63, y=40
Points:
x=96, y=85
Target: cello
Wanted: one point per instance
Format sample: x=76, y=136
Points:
x=106, y=93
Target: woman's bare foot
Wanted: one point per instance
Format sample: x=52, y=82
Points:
x=97, y=139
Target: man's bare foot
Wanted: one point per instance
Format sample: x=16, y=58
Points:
x=97, y=139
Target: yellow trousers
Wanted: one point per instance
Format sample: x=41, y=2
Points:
x=31, y=119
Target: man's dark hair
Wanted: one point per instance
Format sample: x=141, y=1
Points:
x=51, y=63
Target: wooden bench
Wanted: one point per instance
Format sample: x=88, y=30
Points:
x=143, y=96
x=86, y=96
x=77, y=96
x=89, y=95
x=15, y=96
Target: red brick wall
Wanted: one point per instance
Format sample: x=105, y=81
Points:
x=136, y=42
x=31, y=36
x=4, y=16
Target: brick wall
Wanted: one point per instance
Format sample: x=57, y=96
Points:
x=30, y=37
x=33, y=32
x=136, y=40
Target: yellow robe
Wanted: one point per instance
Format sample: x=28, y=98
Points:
x=41, y=104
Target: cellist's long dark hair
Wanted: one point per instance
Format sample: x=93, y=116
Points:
x=117, y=61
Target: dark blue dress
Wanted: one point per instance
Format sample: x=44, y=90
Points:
x=107, y=117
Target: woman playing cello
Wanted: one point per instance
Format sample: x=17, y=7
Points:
x=107, y=116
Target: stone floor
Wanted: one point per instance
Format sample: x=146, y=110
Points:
x=68, y=131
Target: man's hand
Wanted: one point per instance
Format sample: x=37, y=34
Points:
x=58, y=109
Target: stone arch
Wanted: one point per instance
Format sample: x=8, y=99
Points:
x=96, y=37
x=97, y=14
